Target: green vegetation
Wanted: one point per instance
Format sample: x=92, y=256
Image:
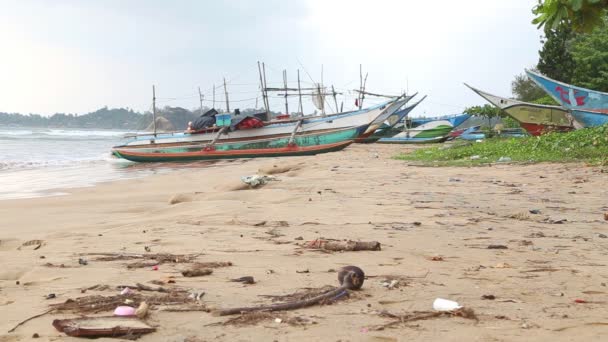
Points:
x=555, y=57
x=590, y=53
x=581, y=15
x=525, y=89
x=586, y=145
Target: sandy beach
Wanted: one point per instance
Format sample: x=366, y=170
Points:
x=547, y=276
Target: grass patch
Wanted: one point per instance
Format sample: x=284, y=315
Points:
x=587, y=145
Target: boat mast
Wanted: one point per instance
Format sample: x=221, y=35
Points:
x=200, y=98
x=213, y=95
x=333, y=91
x=154, y=108
x=226, y=94
x=322, y=96
x=266, y=91
x=263, y=88
x=285, y=84
x=300, y=108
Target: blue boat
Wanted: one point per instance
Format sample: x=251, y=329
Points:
x=589, y=118
x=385, y=129
x=569, y=96
x=473, y=133
x=456, y=120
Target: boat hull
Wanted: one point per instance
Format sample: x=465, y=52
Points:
x=287, y=151
x=572, y=97
x=415, y=140
x=270, y=130
x=303, y=144
x=390, y=122
x=534, y=118
x=590, y=118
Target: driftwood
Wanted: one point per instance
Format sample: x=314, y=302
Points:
x=348, y=245
x=350, y=277
x=197, y=272
x=422, y=315
x=102, y=326
x=29, y=319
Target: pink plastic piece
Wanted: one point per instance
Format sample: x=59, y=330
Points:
x=124, y=311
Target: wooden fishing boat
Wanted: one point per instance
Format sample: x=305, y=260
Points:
x=474, y=133
x=271, y=129
x=390, y=122
x=572, y=97
x=297, y=145
x=454, y=120
x=410, y=140
x=534, y=118
x=430, y=132
x=589, y=118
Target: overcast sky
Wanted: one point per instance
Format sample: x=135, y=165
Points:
x=75, y=56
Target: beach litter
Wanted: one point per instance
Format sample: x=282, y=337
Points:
x=257, y=180
x=504, y=159
x=124, y=311
x=345, y=245
x=441, y=304
x=244, y=280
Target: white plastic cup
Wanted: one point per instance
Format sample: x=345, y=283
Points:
x=441, y=304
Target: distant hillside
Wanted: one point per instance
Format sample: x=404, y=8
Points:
x=104, y=118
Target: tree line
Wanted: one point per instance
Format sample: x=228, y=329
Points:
x=574, y=50
x=105, y=118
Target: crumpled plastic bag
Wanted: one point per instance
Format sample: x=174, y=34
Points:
x=257, y=180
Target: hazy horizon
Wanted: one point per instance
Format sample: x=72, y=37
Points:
x=71, y=56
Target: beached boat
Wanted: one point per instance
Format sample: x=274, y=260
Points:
x=451, y=120
x=429, y=132
x=572, y=97
x=385, y=128
x=534, y=118
x=589, y=118
x=271, y=129
x=301, y=144
x=454, y=120
x=474, y=133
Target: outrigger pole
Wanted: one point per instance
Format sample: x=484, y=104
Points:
x=154, y=108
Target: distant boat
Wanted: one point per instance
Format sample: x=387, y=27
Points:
x=429, y=132
x=572, y=97
x=303, y=144
x=385, y=129
x=534, y=118
x=474, y=133
x=455, y=120
x=413, y=123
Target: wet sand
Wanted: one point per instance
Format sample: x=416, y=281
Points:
x=434, y=225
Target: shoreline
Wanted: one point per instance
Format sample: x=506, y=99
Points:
x=434, y=225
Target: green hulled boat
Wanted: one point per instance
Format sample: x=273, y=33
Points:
x=304, y=144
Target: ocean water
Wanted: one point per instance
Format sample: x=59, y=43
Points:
x=38, y=162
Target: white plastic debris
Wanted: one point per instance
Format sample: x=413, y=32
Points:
x=504, y=159
x=278, y=320
x=475, y=157
x=441, y=304
x=257, y=180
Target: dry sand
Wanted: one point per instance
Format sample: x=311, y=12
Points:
x=416, y=213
